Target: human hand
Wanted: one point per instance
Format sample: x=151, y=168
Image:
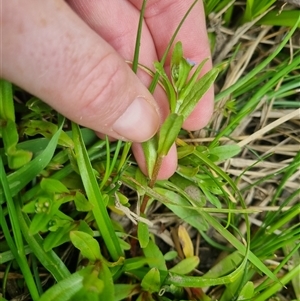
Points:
x=76, y=62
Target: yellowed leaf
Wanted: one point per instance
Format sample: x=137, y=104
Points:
x=185, y=241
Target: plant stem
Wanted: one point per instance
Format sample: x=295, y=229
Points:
x=138, y=38
x=16, y=245
x=151, y=89
x=156, y=169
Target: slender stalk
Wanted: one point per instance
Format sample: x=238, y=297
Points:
x=278, y=285
x=138, y=38
x=95, y=196
x=151, y=88
x=16, y=245
x=152, y=182
x=110, y=164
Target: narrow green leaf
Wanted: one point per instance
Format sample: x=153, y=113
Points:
x=210, y=197
x=256, y=8
x=7, y=110
x=151, y=281
x=106, y=276
x=8, y=130
x=140, y=178
x=258, y=68
x=95, y=197
x=170, y=255
x=10, y=134
x=164, y=56
x=42, y=127
x=285, y=219
x=143, y=234
x=275, y=287
x=187, y=188
x=177, y=55
x=152, y=251
x=286, y=18
x=138, y=263
x=186, y=265
x=60, y=236
x=18, y=158
x=47, y=129
x=195, y=281
x=81, y=203
x=88, y=246
x=248, y=14
x=138, y=38
x=52, y=185
x=225, y=266
x=49, y=260
x=239, y=246
x=6, y=256
x=180, y=68
x=225, y=152
x=195, y=95
x=168, y=133
x=189, y=86
x=67, y=288
x=232, y=289
x=40, y=223
x=150, y=152
x=123, y=291
x=167, y=85
x=16, y=243
x=184, y=151
x=38, y=107
x=178, y=205
x=187, y=171
x=247, y=291
x=91, y=290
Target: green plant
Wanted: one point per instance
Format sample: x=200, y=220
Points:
x=64, y=194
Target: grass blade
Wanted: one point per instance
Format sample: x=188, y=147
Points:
x=48, y=259
x=260, y=67
x=95, y=197
x=16, y=245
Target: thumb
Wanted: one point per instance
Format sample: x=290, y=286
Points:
x=50, y=52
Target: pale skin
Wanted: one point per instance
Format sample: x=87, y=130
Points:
x=73, y=56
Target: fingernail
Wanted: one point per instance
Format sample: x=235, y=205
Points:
x=139, y=122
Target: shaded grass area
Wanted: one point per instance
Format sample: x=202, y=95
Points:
x=224, y=227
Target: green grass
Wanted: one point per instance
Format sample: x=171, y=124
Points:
x=79, y=221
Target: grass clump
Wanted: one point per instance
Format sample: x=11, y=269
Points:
x=79, y=221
